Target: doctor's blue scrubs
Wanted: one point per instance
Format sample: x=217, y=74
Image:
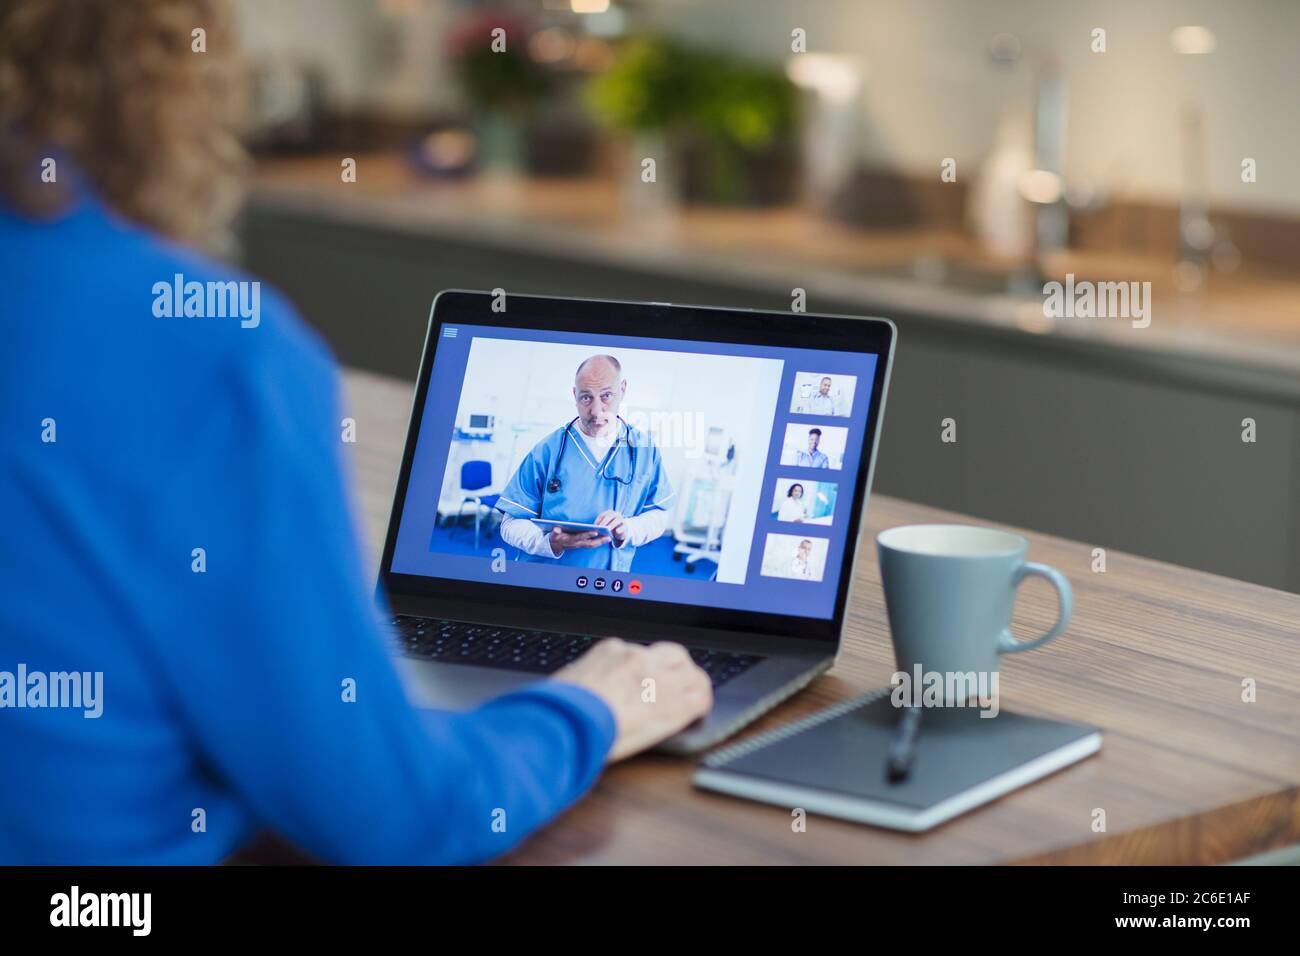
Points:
x=629, y=481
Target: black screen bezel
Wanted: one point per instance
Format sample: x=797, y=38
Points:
x=510, y=604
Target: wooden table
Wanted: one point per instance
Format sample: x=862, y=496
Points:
x=1156, y=655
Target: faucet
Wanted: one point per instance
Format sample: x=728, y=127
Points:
x=1044, y=187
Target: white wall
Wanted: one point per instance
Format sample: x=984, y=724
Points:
x=388, y=56
x=931, y=91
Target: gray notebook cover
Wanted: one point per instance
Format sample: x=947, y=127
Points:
x=833, y=762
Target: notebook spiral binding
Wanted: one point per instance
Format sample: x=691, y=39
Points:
x=726, y=755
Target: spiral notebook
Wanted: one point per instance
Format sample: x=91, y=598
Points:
x=833, y=762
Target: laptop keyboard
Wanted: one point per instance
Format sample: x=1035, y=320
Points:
x=539, y=652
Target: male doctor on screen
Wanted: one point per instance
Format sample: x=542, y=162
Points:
x=823, y=402
x=598, y=470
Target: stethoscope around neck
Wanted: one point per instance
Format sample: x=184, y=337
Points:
x=554, y=484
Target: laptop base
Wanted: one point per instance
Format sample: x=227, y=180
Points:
x=446, y=686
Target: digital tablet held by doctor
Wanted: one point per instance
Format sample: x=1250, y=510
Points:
x=594, y=490
x=575, y=534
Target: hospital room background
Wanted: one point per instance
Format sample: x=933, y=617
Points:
x=702, y=410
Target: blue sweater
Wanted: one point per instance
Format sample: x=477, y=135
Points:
x=245, y=685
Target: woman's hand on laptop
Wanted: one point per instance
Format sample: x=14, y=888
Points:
x=645, y=714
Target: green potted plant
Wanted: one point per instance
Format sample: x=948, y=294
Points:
x=501, y=81
x=728, y=123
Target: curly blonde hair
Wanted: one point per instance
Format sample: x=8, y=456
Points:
x=115, y=88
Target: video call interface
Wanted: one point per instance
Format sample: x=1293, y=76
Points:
x=716, y=474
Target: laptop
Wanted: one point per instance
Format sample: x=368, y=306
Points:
x=736, y=446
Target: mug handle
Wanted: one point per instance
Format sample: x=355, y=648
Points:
x=1007, y=644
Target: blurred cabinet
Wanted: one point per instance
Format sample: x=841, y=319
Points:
x=1141, y=453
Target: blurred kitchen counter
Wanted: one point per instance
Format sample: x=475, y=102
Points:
x=1088, y=429
x=1250, y=320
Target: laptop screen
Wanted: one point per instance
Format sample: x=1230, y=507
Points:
x=709, y=474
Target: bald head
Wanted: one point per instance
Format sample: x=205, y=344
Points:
x=598, y=389
x=600, y=364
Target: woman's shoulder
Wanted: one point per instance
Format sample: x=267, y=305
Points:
x=210, y=299
x=122, y=296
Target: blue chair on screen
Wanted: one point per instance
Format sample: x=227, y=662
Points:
x=475, y=476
